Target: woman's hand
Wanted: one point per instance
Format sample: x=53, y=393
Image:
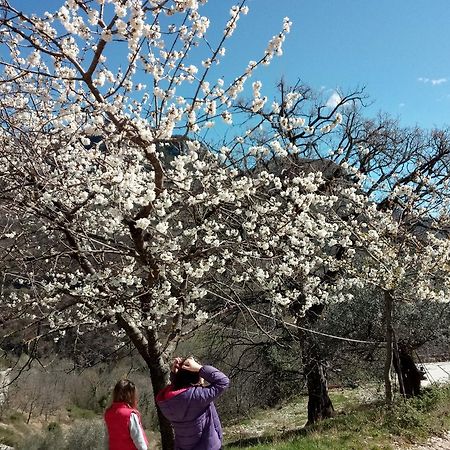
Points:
x=191, y=365
x=176, y=365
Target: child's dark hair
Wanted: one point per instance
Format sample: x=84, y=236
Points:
x=184, y=378
x=125, y=392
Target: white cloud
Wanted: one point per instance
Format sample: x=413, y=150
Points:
x=433, y=81
x=333, y=100
x=439, y=81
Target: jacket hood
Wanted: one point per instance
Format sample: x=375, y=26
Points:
x=169, y=392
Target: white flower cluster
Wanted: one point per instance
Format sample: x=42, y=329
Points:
x=156, y=225
x=258, y=101
x=331, y=126
x=276, y=43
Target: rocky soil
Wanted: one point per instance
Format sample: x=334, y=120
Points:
x=434, y=443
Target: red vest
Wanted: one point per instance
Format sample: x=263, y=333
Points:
x=117, y=418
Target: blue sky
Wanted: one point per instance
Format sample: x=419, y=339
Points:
x=398, y=49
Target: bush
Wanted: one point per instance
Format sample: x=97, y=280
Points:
x=403, y=417
x=89, y=435
x=75, y=412
x=53, y=439
x=8, y=437
x=81, y=436
x=430, y=397
x=419, y=416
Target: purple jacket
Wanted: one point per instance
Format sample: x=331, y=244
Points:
x=192, y=412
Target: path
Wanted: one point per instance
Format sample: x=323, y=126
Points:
x=437, y=372
x=434, y=443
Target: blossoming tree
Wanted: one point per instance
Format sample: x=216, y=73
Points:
x=403, y=172
x=113, y=210
x=103, y=223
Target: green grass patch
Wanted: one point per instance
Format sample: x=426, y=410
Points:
x=8, y=437
x=367, y=426
x=15, y=417
x=75, y=412
x=292, y=415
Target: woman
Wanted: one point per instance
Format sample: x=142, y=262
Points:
x=124, y=429
x=189, y=406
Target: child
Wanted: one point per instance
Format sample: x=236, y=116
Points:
x=124, y=429
x=189, y=406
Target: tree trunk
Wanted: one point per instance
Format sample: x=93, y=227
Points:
x=149, y=347
x=159, y=375
x=158, y=378
x=319, y=403
x=409, y=375
x=388, y=307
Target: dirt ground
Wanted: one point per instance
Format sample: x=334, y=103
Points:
x=434, y=443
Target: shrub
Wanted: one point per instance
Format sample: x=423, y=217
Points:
x=53, y=439
x=82, y=435
x=8, y=437
x=88, y=435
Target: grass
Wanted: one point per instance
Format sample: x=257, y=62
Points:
x=369, y=426
x=76, y=412
x=8, y=436
x=12, y=428
x=361, y=423
x=291, y=416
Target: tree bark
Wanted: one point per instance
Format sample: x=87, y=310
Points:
x=388, y=309
x=319, y=403
x=158, y=378
x=409, y=375
x=149, y=347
